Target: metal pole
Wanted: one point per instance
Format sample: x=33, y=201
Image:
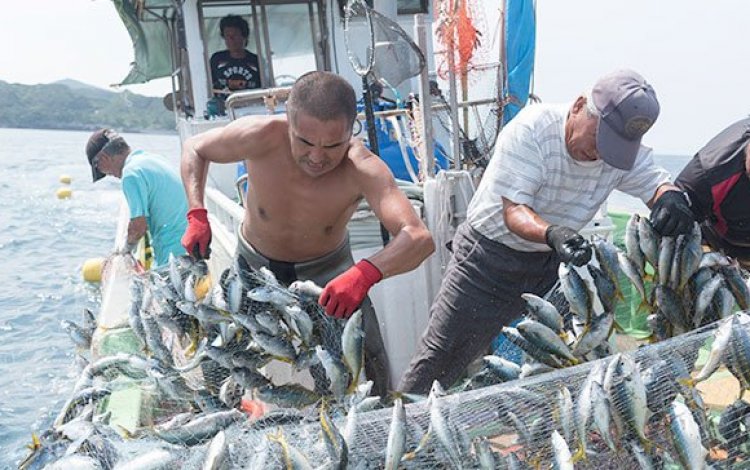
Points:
x=372, y=135
x=453, y=102
x=426, y=146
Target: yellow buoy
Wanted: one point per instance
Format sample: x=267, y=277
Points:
x=64, y=193
x=92, y=269
x=65, y=179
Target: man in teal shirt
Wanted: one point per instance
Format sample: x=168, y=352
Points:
x=152, y=188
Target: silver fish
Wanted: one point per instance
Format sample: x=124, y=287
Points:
x=648, y=241
x=200, y=429
x=632, y=272
x=737, y=285
x=626, y=388
x=606, y=290
x=504, y=369
x=439, y=425
x=276, y=346
x=706, y=297
x=249, y=379
x=564, y=412
x=217, y=452
x=632, y=244
x=276, y=296
x=293, y=458
x=576, y=292
x=545, y=339
x=485, y=456
x=289, y=395
x=544, y=312
x=301, y=323
x=594, y=335
x=686, y=437
x=396, y=445
x=601, y=413
x=306, y=289
x=562, y=458
x=73, y=406
x=690, y=258
x=230, y=392
x=80, y=337
x=352, y=344
x=534, y=351
x=335, y=443
x=722, y=336
x=666, y=255
x=606, y=255
x=336, y=371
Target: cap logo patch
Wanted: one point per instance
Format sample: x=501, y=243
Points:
x=637, y=126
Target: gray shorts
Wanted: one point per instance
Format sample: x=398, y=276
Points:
x=480, y=293
x=321, y=271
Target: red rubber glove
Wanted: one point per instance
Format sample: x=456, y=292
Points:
x=197, y=237
x=343, y=295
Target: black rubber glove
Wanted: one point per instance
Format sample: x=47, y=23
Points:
x=569, y=245
x=671, y=214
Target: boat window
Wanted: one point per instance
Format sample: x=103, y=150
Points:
x=212, y=13
x=284, y=34
x=404, y=7
x=292, y=39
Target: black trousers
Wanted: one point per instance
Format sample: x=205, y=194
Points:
x=480, y=293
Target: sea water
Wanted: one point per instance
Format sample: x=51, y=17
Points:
x=43, y=244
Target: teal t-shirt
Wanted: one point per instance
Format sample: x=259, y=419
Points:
x=154, y=190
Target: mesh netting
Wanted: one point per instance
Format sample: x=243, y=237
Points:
x=244, y=372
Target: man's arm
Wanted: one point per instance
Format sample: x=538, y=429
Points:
x=239, y=140
x=136, y=230
x=524, y=222
x=569, y=245
x=411, y=242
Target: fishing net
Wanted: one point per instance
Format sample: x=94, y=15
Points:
x=469, y=54
x=189, y=378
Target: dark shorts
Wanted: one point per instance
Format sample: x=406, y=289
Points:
x=480, y=293
x=321, y=271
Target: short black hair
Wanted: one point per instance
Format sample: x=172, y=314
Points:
x=234, y=21
x=324, y=96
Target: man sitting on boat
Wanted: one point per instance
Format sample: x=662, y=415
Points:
x=306, y=176
x=152, y=189
x=717, y=180
x=552, y=168
x=235, y=68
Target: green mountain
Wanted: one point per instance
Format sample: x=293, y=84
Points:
x=73, y=105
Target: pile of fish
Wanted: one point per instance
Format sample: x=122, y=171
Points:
x=682, y=287
x=201, y=352
x=204, y=350
x=690, y=288
x=638, y=410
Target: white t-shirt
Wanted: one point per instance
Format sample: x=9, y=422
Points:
x=531, y=166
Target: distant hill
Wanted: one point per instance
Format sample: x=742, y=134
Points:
x=69, y=104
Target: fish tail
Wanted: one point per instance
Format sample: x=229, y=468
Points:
x=579, y=455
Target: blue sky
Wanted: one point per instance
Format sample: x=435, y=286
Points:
x=693, y=52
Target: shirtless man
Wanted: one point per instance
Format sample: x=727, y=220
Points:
x=306, y=176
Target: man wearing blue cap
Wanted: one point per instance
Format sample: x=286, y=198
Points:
x=552, y=168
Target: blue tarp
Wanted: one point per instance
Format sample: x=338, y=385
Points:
x=520, y=40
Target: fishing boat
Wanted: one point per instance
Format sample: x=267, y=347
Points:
x=176, y=39
x=291, y=37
